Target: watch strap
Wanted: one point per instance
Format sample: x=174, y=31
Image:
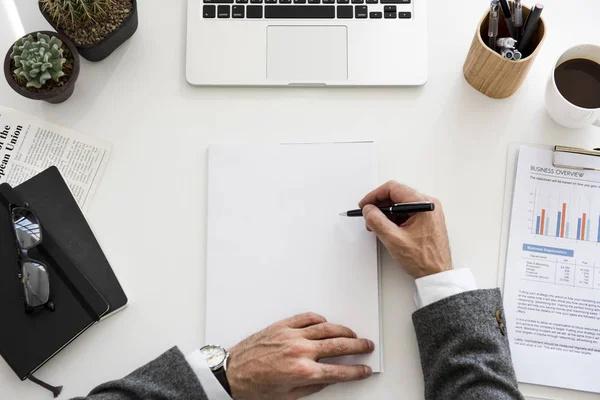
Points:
x=221, y=376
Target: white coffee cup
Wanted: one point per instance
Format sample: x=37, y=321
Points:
x=559, y=108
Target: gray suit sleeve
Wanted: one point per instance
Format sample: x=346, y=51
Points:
x=167, y=377
x=464, y=349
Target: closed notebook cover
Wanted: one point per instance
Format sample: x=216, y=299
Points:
x=50, y=197
x=27, y=341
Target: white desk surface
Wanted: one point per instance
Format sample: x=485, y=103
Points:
x=149, y=213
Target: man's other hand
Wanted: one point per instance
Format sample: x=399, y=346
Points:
x=419, y=242
x=281, y=361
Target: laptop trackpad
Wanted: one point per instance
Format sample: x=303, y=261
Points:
x=307, y=54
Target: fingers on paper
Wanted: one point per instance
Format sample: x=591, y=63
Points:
x=303, y=320
x=333, y=373
x=327, y=330
x=342, y=347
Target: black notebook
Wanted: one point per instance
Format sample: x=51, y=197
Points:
x=83, y=286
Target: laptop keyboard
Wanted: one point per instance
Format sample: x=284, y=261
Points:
x=303, y=9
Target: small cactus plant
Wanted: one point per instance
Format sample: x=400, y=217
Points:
x=39, y=60
x=68, y=12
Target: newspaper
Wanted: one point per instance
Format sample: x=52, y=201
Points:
x=29, y=145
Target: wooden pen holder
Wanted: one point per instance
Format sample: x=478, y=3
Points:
x=492, y=74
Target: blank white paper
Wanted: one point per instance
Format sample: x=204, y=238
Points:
x=277, y=245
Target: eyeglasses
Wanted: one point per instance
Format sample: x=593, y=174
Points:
x=33, y=274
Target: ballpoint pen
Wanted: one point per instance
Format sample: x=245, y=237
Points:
x=512, y=11
x=518, y=19
x=493, y=25
x=508, y=17
x=530, y=26
x=396, y=209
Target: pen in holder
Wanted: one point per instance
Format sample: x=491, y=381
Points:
x=490, y=73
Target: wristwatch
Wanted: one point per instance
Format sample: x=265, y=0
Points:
x=216, y=358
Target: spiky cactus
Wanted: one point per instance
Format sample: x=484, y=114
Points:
x=68, y=12
x=39, y=60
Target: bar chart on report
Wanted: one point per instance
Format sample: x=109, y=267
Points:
x=565, y=214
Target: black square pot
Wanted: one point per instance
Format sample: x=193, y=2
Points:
x=99, y=51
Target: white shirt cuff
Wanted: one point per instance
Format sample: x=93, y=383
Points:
x=212, y=387
x=438, y=286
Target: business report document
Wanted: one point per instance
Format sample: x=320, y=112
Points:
x=552, y=281
x=277, y=245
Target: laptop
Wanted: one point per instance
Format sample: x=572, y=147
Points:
x=307, y=42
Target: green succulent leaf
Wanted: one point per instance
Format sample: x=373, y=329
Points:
x=55, y=42
x=56, y=74
x=38, y=60
x=35, y=84
x=44, y=77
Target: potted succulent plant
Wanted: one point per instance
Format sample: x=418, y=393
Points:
x=42, y=66
x=97, y=27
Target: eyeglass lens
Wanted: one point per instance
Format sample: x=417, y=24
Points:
x=36, y=284
x=27, y=228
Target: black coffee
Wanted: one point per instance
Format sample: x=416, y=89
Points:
x=578, y=80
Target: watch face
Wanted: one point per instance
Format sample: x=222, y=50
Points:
x=214, y=355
